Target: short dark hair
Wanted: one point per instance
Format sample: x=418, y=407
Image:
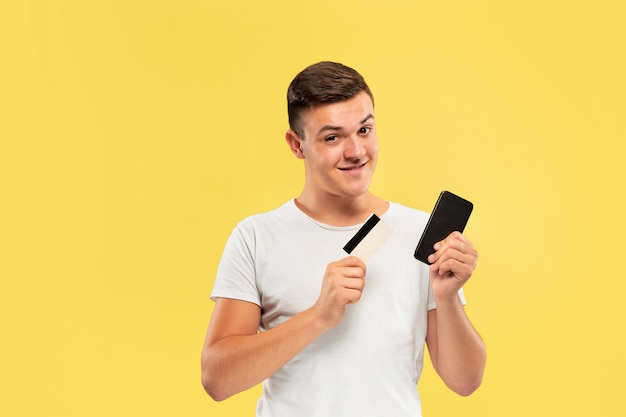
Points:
x=322, y=83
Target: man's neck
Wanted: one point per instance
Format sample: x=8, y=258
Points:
x=342, y=211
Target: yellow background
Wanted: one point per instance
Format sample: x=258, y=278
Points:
x=135, y=134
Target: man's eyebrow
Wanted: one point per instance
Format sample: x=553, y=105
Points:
x=369, y=116
x=338, y=128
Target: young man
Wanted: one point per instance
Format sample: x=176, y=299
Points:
x=337, y=337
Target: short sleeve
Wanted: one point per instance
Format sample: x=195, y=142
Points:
x=236, y=277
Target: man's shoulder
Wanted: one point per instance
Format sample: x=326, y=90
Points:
x=279, y=214
x=403, y=211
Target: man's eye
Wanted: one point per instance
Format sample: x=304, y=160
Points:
x=331, y=138
x=365, y=130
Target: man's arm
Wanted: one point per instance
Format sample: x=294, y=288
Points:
x=236, y=357
x=456, y=349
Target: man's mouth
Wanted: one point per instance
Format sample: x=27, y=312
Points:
x=353, y=167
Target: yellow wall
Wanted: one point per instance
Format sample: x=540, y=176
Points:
x=135, y=134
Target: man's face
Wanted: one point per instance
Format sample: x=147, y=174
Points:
x=341, y=147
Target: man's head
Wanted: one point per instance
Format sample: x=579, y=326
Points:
x=322, y=83
x=333, y=129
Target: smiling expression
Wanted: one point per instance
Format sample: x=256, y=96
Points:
x=340, y=147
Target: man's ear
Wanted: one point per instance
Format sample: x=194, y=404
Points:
x=295, y=143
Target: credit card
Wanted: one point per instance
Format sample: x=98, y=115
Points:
x=368, y=238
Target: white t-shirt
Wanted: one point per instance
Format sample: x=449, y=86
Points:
x=370, y=363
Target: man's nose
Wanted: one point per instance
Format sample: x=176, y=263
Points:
x=354, y=148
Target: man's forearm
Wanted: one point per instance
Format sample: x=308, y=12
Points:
x=461, y=353
x=236, y=363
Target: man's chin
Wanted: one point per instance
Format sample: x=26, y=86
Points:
x=356, y=192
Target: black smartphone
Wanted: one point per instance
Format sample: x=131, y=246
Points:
x=450, y=214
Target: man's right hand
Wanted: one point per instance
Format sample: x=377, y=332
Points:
x=343, y=284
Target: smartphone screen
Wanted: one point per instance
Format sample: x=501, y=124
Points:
x=450, y=214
